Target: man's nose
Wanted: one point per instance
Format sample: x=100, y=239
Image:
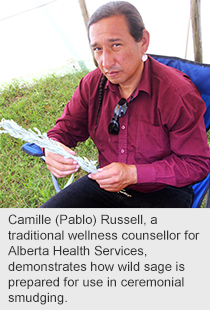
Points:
x=108, y=60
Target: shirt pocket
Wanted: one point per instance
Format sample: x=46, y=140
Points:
x=152, y=143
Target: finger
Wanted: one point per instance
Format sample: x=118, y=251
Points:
x=60, y=167
x=53, y=159
x=58, y=157
x=97, y=175
x=62, y=174
x=63, y=168
x=110, y=187
x=104, y=173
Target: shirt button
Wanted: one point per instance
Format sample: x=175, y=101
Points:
x=123, y=127
x=122, y=151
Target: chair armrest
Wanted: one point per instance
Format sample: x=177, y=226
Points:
x=32, y=149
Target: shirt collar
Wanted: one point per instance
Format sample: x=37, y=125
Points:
x=145, y=82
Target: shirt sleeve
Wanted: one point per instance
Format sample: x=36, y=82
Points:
x=72, y=126
x=189, y=158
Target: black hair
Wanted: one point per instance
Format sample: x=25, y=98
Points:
x=101, y=86
x=132, y=15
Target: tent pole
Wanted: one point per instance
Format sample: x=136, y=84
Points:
x=196, y=28
x=84, y=12
x=85, y=15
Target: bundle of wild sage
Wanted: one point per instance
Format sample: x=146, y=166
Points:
x=16, y=131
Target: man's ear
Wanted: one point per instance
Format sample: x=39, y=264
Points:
x=145, y=41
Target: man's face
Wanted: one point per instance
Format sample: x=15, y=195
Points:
x=118, y=55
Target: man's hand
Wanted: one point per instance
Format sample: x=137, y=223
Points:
x=115, y=176
x=60, y=166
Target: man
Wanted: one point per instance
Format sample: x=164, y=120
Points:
x=145, y=119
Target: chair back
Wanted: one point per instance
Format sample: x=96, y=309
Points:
x=200, y=76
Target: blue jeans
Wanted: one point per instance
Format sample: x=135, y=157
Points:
x=86, y=193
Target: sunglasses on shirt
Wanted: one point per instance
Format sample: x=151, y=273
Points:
x=119, y=111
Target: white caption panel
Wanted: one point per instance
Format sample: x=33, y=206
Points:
x=105, y=259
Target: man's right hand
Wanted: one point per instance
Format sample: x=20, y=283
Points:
x=60, y=166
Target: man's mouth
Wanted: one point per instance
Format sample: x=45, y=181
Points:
x=111, y=73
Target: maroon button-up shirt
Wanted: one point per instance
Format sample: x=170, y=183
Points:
x=162, y=132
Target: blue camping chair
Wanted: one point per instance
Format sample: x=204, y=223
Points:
x=200, y=76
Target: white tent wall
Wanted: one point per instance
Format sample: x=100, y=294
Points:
x=36, y=38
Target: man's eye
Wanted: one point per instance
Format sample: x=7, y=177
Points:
x=96, y=49
x=116, y=45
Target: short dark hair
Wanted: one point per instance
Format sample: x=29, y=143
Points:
x=132, y=15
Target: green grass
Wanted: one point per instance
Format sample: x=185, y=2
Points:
x=25, y=181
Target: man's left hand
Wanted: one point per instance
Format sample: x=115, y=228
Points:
x=115, y=176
